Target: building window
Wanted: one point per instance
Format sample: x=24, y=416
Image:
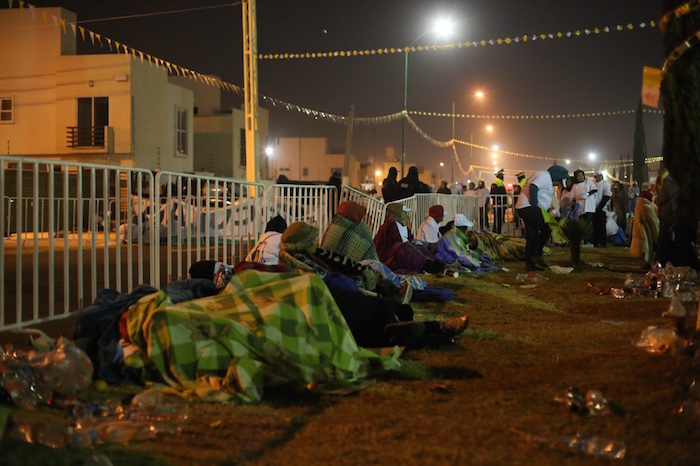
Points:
x=181, y=131
x=93, y=118
x=7, y=110
x=242, y=157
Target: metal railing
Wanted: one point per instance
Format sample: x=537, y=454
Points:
x=71, y=229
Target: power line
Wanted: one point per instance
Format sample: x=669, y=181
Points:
x=156, y=13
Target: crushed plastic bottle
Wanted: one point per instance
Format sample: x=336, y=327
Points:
x=657, y=340
x=596, y=446
x=596, y=403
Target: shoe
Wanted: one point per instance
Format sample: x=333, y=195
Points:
x=402, y=333
x=540, y=261
x=530, y=266
x=454, y=326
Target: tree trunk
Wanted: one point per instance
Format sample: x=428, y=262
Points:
x=681, y=100
x=576, y=253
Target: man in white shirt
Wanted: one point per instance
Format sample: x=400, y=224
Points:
x=536, y=197
x=429, y=230
x=599, y=217
x=583, y=192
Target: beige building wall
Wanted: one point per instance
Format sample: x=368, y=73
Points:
x=42, y=75
x=307, y=159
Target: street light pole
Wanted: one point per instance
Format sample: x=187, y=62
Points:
x=452, y=166
x=404, y=115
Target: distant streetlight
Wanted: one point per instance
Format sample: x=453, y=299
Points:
x=591, y=156
x=443, y=27
x=378, y=173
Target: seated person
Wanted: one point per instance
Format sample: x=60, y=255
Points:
x=454, y=246
x=645, y=229
x=348, y=235
x=429, y=230
x=398, y=249
x=267, y=249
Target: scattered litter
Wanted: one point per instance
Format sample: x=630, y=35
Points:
x=595, y=289
x=527, y=287
x=618, y=293
x=559, y=270
x=505, y=269
x=596, y=446
x=592, y=403
x=596, y=264
x=657, y=340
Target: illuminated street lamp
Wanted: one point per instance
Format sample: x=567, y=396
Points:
x=441, y=165
x=443, y=27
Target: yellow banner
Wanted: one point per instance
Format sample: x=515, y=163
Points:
x=651, y=86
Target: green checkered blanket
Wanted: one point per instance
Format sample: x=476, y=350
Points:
x=262, y=327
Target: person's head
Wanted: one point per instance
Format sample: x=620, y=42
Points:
x=579, y=176
x=412, y=174
x=437, y=212
x=299, y=237
x=352, y=211
x=559, y=174
x=462, y=222
x=646, y=194
x=598, y=175
x=520, y=176
x=443, y=184
x=481, y=183
x=500, y=174
x=472, y=186
x=393, y=173
x=397, y=212
x=276, y=223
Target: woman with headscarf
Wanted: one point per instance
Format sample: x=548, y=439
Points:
x=645, y=229
x=410, y=184
x=348, y=235
x=398, y=249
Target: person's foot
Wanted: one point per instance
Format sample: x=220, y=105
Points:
x=530, y=266
x=403, y=333
x=454, y=326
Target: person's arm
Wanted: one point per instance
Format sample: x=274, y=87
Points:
x=533, y=194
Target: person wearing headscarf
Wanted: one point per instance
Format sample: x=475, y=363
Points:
x=398, y=249
x=390, y=186
x=645, y=229
x=534, y=202
x=429, y=230
x=267, y=249
x=348, y=235
x=455, y=246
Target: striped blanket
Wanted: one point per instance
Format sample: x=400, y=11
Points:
x=262, y=327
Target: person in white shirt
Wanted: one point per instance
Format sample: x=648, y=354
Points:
x=484, y=204
x=583, y=192
x=267, y=249
x=600, y=217
x=535, y=198
x=429, y=230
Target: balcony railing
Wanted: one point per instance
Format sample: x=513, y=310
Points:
x=86, y=136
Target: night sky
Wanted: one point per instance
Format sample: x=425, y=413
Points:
x=588, y=74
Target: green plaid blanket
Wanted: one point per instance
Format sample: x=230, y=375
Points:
x=263, y=327
x=349, y=239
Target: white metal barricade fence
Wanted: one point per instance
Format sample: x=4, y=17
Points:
x=312, y=204
x=59, y=246
x=205, y=218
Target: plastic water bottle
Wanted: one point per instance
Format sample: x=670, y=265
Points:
x=596, y=403
x=596, y=446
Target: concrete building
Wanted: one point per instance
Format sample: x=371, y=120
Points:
x=108, y=108
x=308, y=159
x=219, y=134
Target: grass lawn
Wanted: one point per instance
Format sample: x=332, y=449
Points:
x=493, y=397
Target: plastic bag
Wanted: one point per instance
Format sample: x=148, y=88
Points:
x=657, y=340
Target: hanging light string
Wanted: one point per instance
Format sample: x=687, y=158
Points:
x=173, y=69
x=457, y=45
